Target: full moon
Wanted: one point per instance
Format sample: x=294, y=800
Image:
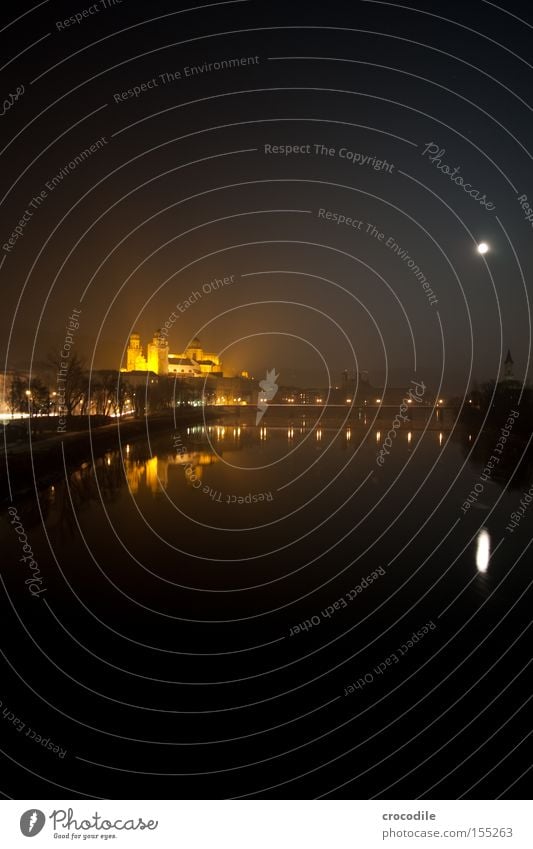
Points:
x=482, y=248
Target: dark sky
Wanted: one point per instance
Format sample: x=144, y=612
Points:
x=182, y=192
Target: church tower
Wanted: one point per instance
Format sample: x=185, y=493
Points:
x=134, y=352
x=195, y=350
x=508, y=366
x=158, y=354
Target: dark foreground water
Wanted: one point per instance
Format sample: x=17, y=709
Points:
x=235, y=610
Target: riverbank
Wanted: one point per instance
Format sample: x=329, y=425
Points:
x=42, y=461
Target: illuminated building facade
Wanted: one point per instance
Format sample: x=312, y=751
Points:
x=193, y=362
x=156, y=358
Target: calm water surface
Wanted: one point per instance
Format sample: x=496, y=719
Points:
x=233, y=583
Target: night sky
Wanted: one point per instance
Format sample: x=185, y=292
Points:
x=181, y=190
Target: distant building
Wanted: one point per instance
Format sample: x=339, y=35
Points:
x=6, y=380
x=508, y=371
x=141, y=377
x=5, y=385
x=202, y=361
x=193, y=362
x=232, y=391
x=156, y=358
x=183, y=366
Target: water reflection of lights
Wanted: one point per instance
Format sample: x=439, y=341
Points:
x=348, y=433
x=409, y=437
x=378, y=435
x=263, y=433
x=290, y=432
x=482, y=550
x=319, y=434
x=441, y=437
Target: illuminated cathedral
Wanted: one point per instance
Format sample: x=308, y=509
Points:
x=193, y=362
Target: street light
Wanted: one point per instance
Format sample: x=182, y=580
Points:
x=28, y=400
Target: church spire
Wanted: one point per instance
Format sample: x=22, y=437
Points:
x=508, y=366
